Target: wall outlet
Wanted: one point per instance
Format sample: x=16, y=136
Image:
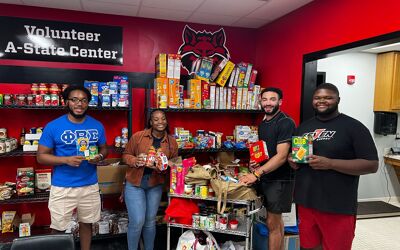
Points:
x=398, y=135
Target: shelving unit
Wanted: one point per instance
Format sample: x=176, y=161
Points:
x=18, y=152
x=245, y=227
x=250, y=111
x=20, y=75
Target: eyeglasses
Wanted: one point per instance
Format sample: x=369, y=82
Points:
x=77, y=100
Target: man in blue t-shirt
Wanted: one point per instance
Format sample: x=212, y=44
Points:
x=66, y=143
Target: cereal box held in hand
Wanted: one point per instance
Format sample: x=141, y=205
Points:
x=302, y=148
x=258, y=151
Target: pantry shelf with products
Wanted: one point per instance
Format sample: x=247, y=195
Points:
x=19, y=152
x=244, y=228
x=16, y=81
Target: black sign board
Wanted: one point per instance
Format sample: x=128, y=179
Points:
x=30, y=39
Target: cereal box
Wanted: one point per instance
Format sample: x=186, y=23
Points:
x=302, y=147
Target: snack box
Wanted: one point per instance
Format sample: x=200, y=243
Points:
x=258, y=151
x=302, y=147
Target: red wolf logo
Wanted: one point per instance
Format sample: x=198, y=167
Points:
x=202, y=44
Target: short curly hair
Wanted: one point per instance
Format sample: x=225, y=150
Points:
x=69, y=89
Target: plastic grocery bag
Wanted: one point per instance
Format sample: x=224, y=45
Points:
x=189, y=241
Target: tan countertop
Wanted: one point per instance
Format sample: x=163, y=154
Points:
x=393, y=160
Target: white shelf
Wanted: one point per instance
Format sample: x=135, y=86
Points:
x=240, y=231
x=241, y=202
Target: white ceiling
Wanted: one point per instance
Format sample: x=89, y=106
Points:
x=237, y=13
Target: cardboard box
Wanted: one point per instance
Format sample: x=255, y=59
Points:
x=111, y=176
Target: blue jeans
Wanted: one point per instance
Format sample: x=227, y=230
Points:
x=142, y=204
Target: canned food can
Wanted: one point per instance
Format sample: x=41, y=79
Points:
x=30, y=100
x=197, y=190
x=203, y=192
x=2, y=146
x=3, y=133
x=211, y=222
x=203, y=221
x=124, y=142
x=32, y=130
x=8, y=99
x=196, y=220
x=8, y=145
x=39, y=100
x=93, y=151
x=21, y=100
x=124, y=132
x=39, y=130
x=54, y=100
x=117, y=142
x=34, y=88
x=46, y=100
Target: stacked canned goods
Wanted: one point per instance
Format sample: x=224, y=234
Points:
x=7, y=144
x=122, y=140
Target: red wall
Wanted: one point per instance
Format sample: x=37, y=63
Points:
x=317, y=26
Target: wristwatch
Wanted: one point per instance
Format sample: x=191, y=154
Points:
x=101, y=157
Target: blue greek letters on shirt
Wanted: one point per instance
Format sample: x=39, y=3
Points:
x=69, y=136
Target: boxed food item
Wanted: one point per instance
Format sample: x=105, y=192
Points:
x=43, y=180
x=173, y=93
x=161, y=65
x=7, y=221
x=25, y=181
x=161, y=92
x=224, y=75
x=218, y=69
x=204, y=71
x=302, y=147
x=194, y=93
x=258, y=151
x=111, y=176
x=177, y=178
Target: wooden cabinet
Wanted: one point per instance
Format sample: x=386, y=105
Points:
x=387, y=82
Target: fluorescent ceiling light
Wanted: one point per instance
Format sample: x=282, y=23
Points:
x=386, y=46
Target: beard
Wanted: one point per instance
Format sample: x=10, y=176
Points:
x=75, y=115
x=327, y=111
x=274, y=110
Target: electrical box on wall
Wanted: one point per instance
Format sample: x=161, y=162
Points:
x=385, y=123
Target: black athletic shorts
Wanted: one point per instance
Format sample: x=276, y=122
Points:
x=278, y=195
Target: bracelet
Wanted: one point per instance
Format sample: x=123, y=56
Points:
x=256, y=174
x=101, y=157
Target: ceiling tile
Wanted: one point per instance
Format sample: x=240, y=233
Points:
x=19, y=2
x=188, y=5
x=230, y=8
x=165, y=14
x=274, y=9
x=248, y=22
x=207, y=18
x=110, y=8
x=124, y=2
x=66, y=5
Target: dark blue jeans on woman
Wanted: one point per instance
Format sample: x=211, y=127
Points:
x=142, y=204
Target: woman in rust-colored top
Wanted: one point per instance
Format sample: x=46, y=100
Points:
x=144, y=179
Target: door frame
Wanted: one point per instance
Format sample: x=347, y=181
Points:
x=309, y=80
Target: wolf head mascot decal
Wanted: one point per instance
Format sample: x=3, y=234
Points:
x=198, y=44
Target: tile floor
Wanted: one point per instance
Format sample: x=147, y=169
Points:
x=378, y=234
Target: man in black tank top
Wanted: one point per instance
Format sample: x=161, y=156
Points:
x=275, y=176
